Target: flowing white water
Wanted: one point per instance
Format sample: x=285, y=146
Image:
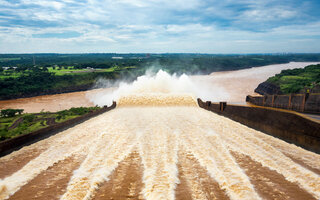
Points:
x=215, y=156
x=244, y=140
x=102, y=159
x=308, y=157
x=158, y=149
x=66, y=144
x=160, y=83
x=160, y=126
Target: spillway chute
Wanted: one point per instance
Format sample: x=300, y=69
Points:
x=157, y=100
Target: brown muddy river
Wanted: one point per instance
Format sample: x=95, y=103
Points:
x=231, y=86
x=51, y=103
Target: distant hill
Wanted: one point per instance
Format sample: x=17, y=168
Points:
x=293, y=81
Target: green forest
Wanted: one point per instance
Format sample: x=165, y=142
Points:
x=25, y=75
x=297, y=80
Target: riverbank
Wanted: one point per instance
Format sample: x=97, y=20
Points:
x=294, y=81
x=13, y=124
x=51, y=103
x=231, y=86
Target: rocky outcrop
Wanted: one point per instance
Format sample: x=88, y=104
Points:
x=267, y=88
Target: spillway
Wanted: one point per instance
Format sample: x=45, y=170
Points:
x=160, y=147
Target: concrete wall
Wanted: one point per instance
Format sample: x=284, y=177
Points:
x=313, y=103
x=309, y=103
x=281, y=101
x=286, y=125
x=16, y=143
x=297, y=102
x=268, y=100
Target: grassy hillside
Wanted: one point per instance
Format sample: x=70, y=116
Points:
x=297, y=80
x=12, y=126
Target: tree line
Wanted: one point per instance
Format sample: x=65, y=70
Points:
x=37, y=80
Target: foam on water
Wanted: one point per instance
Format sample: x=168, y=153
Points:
x=157, y=100
x=158, y=149
x=161, y=83
x=102, y=159
x=244, y=140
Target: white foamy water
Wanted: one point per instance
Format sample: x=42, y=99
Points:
x=160, y=83
x=160, y=122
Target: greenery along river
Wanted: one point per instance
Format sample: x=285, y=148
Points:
x=298, y=80
x=25, y=75
x=14, y=123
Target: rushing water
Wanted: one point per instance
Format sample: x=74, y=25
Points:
x=159, y=134
x=158, y=144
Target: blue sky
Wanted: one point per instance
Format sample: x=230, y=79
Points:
x=159, y=26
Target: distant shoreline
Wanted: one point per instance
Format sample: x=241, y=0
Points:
x=80, y=88
x=238, y=87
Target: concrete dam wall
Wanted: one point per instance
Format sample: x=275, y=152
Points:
x=309, y=103
x=287, y=125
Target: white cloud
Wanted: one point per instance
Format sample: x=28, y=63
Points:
x=195, y=38
x=268, y=14
x=154, y=26
x=45, y=3
x=309, y=29
x=188, y=28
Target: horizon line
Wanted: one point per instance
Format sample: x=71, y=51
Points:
x=283, y=53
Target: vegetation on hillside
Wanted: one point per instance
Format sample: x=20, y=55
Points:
x=39, y=80
x=18, y=124
x=297, y=80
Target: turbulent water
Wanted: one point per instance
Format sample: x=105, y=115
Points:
x=160, y=145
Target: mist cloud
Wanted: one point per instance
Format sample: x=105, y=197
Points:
x=159, y=83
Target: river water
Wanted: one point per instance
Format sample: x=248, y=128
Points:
x=231, y=86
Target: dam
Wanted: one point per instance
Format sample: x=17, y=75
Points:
x=159, y=144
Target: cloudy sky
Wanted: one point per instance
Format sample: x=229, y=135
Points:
x=195, y=26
